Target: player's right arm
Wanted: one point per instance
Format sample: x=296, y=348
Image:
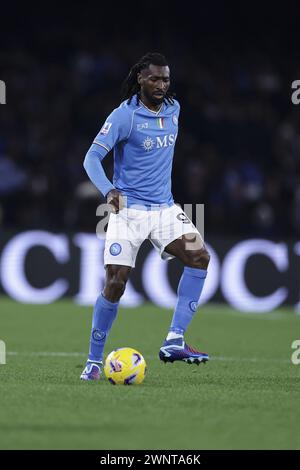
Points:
x=115, y=129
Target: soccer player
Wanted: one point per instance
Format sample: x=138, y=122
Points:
x=143, y=131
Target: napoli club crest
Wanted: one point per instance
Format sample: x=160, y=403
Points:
x=115, y=249
x=175, y=120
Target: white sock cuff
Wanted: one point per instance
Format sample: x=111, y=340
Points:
x=173, y=335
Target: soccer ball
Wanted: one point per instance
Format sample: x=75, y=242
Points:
x=125, y=366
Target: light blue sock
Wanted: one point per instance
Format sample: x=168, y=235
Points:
x=104, y=314
x=189, y=291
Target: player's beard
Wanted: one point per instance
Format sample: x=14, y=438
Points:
x=157, y=100
x=153, y=99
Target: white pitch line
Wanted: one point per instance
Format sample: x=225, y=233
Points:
x=45, y=354
x=250, y=359
x=256, y=315
x=81, y=354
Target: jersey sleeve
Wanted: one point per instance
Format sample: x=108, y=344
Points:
x=177, y=106
x=93, y=167
x=115, y=129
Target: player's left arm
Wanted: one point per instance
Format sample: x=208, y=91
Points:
x=177, y=105
x=95, y=171
x=115, y=129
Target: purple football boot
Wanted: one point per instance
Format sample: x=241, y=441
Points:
x=178, y=350
x=92, y=371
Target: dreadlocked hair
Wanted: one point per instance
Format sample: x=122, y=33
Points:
x=130, y=85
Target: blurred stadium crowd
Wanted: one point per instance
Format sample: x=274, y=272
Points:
x=238, y=149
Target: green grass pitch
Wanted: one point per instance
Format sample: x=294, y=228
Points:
x=246, y=397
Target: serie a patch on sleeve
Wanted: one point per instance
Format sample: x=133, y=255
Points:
x=105, y=128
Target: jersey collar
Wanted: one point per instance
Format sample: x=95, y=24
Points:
x=150, y=110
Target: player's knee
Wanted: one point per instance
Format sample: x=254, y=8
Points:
x=199, y=259
x=114, y=289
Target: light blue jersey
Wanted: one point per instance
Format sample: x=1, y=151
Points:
x=143, y=143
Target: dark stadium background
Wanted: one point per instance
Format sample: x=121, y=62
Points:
x=238, y=152
x=238, y=149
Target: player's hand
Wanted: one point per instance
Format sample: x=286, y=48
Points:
x=115, y=199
